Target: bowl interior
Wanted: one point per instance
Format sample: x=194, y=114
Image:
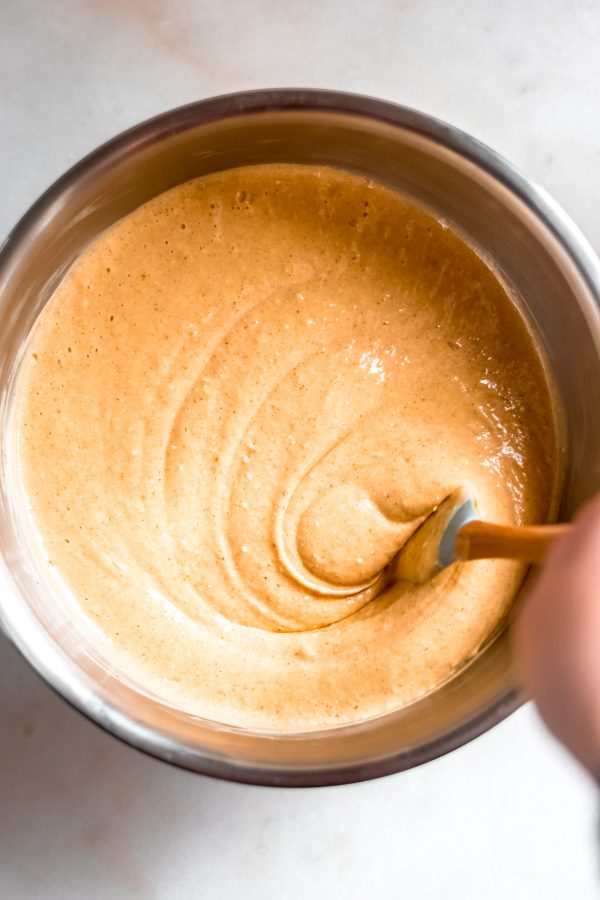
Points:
x=531, y=244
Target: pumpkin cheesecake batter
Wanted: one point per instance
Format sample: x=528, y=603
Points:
x=239, y=404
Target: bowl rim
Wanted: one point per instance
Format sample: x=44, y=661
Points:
x=221, y=108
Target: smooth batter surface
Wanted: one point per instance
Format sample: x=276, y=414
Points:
x=238, y=405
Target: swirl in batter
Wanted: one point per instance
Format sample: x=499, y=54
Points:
x=236, y=408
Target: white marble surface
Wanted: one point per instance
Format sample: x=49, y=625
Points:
x=82, y=816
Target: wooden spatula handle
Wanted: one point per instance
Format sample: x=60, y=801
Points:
x=530, y=543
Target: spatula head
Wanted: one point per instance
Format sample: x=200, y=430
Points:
x=433, y=545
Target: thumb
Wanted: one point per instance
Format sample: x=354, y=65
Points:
x=557, y=639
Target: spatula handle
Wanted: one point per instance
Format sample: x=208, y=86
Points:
x=530, y=543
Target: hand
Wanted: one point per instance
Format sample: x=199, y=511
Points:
x=557, y=639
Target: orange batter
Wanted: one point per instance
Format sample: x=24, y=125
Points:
x=237, y=406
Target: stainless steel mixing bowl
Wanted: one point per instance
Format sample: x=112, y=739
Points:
x=530, y=241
